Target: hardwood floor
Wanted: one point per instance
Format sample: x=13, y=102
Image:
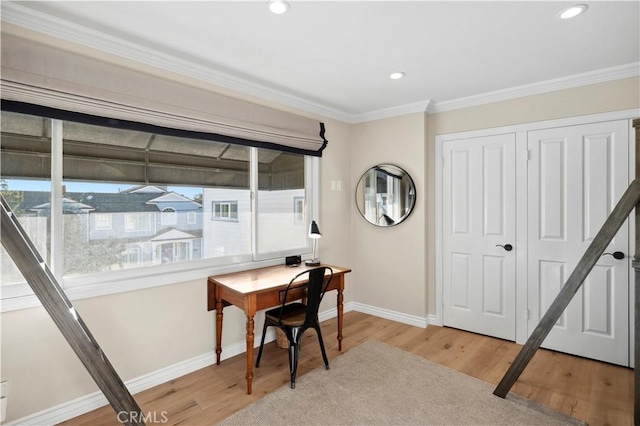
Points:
x=600, y=393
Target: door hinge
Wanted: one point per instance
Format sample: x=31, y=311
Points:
x=526, y=155
x=526, y=314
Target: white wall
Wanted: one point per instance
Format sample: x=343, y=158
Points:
x=277, y=228
x=226, y=238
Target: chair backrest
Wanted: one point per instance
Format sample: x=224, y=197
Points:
x=315, y=286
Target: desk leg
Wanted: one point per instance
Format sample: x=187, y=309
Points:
x=218, y=329
x=250, y=326
x=340, y=313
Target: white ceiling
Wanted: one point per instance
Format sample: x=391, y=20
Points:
x=335, y=57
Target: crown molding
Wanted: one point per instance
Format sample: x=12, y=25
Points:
x=422, y=106
x=584, y=79
x=14, y=13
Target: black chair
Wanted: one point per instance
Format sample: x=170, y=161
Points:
x=295, y=318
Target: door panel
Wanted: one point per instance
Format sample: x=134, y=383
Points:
x=576, y=175
x=478, y=215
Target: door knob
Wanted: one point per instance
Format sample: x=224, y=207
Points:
x=616, y=255
x=509, y=247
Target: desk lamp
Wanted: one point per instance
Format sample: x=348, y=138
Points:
x=314, y=234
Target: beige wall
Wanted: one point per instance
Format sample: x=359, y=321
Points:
x=389, y=263
x=139, y=331
x=393, y=268
x=146, y=330
x=597, y=98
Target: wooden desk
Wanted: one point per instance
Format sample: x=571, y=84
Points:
x=259, y=289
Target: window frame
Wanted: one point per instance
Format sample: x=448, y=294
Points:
x=138, y=215
x=192, y=218
x=229, y=216
x=138, y=252
x=98, y=217
x=168, y=216
x=298, y=210
x=129, y=279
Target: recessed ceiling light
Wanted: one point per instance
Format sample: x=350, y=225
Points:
x=278, y=6
x=573, y=11
x=396, y=75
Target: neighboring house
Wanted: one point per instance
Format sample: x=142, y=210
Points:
x=146, y=225
x=227, y=221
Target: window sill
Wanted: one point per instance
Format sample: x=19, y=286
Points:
x=75, y=290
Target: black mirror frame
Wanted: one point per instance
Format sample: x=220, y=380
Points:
x=411, y=184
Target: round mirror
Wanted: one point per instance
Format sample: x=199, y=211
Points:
x=385, y=195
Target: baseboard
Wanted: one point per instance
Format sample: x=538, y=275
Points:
x=390, y=315
x=333, y=312
x=433, y=320
x=82, y=405
x=69, y=410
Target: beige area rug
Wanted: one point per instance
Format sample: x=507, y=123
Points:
x=378, y=384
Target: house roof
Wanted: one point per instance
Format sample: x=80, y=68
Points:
x=68, y=206
x=173, y=199
x=174, y=234
x=98, y=202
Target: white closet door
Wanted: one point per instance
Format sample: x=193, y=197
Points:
x=576, y=175
x=478, y=215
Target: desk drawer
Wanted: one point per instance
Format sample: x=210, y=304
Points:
x=295, y=293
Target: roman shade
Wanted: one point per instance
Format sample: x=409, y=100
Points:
x=106, y=154
x=57, y=83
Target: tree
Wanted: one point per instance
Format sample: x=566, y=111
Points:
x=82, y=256
x=14, y=198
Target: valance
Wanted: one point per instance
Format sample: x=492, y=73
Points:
x=66, y=85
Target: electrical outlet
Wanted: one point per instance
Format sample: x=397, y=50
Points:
x=4, y=390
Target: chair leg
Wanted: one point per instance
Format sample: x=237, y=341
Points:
x=324, y=353
x=264, y=332
x=294, y=351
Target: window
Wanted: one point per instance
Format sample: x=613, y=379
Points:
x=131, y=257
x=228, y=233
x=133, y=202
x=102, y=221
x=169, y=216
x=281, y=181
x=177, y=251
x=225, y=210
x=36, y=223
x=298, y=210
x=191, y=218
x=135, y=222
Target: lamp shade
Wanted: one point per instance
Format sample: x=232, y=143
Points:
x=314, y=232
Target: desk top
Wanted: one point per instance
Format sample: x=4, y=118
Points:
x=263, y=279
